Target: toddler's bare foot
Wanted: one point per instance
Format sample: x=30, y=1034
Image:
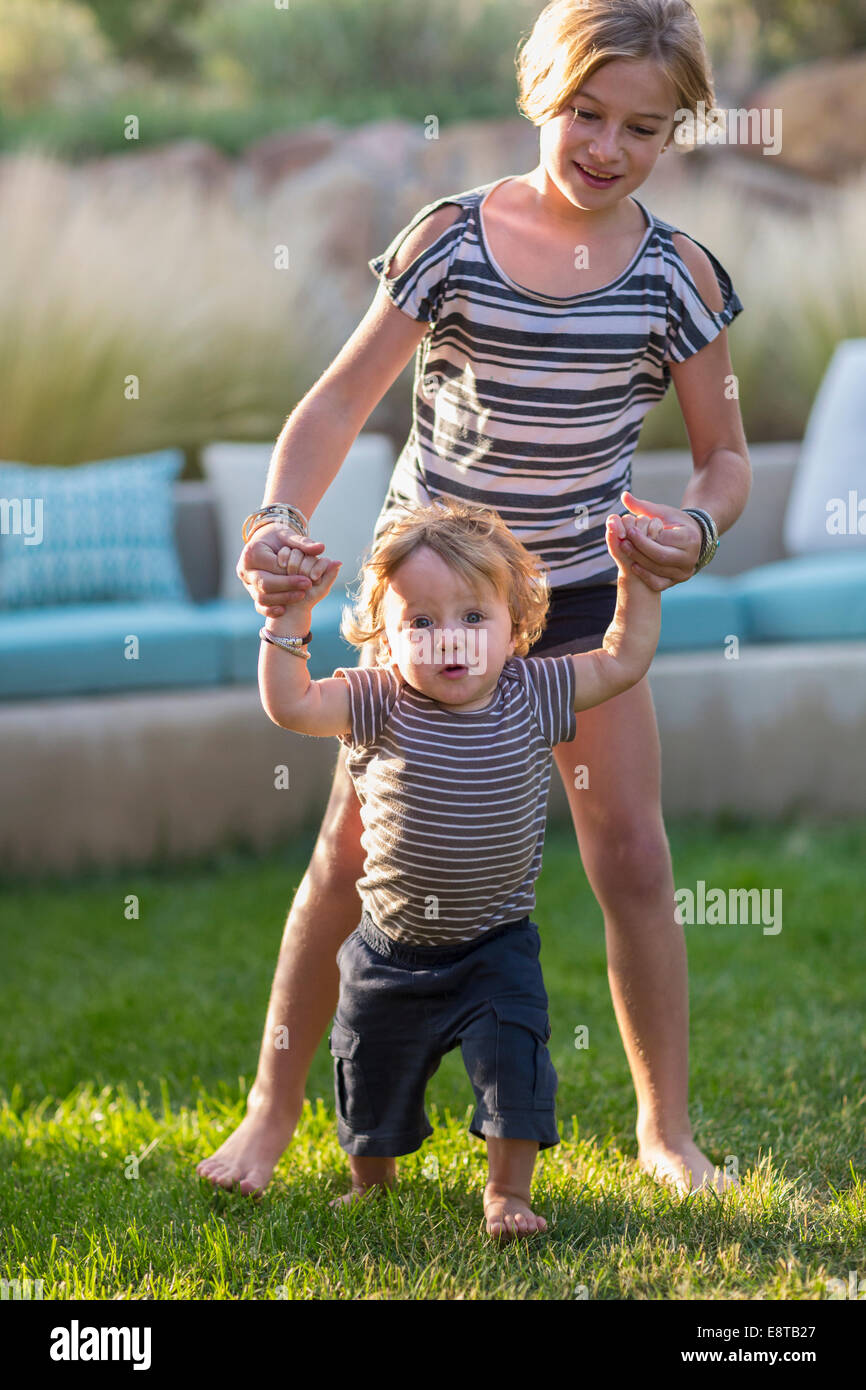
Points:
x=683, y=1167
x=356, y=1192
x=249, y=1156
x=509, y=1216
x=371, y=1173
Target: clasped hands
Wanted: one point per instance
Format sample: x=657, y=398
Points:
x=662, y=542
x=279, y=567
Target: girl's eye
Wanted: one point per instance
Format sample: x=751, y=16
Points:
x=475, y=614
x=591, y=115
x=418, y=621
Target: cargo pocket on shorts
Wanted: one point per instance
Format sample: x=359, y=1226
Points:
x=350, y=1088
x=525, y=1075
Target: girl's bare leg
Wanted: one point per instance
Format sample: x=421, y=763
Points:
x=303, y=998
x=626, y=856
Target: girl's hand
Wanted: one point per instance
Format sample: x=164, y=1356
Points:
x=264, y=578
x=665, y=555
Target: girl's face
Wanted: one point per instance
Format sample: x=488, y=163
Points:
x=445, y=639
x=615, y=124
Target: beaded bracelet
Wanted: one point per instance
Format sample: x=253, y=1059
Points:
x=288, y=644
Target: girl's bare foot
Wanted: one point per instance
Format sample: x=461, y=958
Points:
x=683, y=1167
x=249, y=1156
x=509, y=1215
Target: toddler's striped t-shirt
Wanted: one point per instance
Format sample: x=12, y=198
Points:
x=453, y=803
x=533, y=403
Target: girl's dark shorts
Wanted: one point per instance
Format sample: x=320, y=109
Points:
x=402, y=1008
x=577, y=619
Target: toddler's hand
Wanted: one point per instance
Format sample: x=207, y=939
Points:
x=319, y=569
x=651, y=526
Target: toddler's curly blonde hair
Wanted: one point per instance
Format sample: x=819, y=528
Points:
x=475, y=542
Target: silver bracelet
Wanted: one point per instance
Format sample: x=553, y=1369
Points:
x=288, y=644
x=710, y=536
x=276, y=511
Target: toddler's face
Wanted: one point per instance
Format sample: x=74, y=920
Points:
x=445, y=639
x=616, y=124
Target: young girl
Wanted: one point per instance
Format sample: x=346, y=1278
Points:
x=449, y=741
x=548, y=313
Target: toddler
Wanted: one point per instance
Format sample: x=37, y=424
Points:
x=450, y=740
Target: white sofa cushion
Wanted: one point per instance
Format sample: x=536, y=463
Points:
x=344, y=519
x=827, y=504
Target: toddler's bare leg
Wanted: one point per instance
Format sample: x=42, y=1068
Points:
x=506, y=1196
x=304, y=994
x=370, y=1174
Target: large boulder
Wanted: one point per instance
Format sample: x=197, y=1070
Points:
x=287, y=152
x=823, y=107
x=469, y=153
x=192, y=162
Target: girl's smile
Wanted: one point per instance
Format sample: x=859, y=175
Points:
x=596, y=180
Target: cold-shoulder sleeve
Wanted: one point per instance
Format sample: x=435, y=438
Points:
x=418, y=289
x=373, y=692
x=692, y=323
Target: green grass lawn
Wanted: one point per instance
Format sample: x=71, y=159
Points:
x=139, y=1038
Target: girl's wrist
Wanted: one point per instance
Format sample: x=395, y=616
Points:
x=279, y=513
x=709, y=535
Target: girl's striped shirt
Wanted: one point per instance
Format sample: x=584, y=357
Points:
x=453, y=802
x=533, y=403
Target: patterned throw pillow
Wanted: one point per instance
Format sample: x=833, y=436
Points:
x=95, y=532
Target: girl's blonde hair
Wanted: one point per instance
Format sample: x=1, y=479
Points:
x=474, y=542
x=572, y=39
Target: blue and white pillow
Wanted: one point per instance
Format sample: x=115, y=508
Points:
x=93, y=532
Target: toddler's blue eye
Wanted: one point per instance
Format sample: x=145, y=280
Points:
x=415, y=621
x=475, y=614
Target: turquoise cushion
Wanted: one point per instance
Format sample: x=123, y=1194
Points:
x=84, y=649
x=241, y=624
x=810, y=598
x=700, y=613
x=95, y=532
x=87, y=648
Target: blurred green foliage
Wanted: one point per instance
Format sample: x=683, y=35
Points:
x=50, y=51
x=151, y=32
x=251, y=68
x=360, y=46
x=776, y=34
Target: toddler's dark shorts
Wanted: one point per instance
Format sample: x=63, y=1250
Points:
x=401, y=1008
